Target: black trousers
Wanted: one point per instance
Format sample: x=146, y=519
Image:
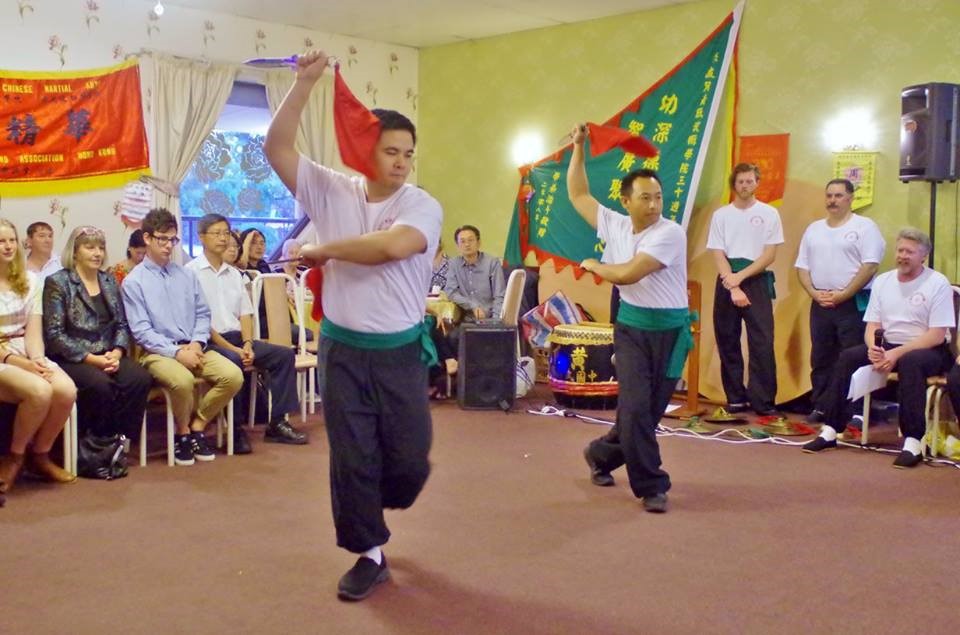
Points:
x=645, y=391
x=831, y=331
x=379, y=429
x=913, y=370
x=109, y=404
x=761, y=389
x=279, y=364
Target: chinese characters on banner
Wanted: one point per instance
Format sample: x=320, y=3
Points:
x=73, y=131
x=769, y=153
x=860, y=169
x=676, y=114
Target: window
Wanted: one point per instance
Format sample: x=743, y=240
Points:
x=231, y=176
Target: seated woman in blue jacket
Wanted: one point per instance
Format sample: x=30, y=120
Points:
x=85, y=330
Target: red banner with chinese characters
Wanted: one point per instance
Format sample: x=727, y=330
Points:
x=71, y=131
x=769, y=153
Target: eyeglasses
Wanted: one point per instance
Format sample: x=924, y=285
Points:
x=220, y=234
x=163, y=240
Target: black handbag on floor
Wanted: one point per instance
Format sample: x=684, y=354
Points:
x=102, y=457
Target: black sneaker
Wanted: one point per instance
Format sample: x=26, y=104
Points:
x=201, y=450
x=183, y=450
x=734, y=408
x=283, y=432
x=656, y=504
x=815, y=416
x=241, y=442
x=597, y=476
x=359, y=581
x=907, y=459
x=817, y=445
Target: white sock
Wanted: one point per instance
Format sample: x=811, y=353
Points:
x=911, y=445
x=374, y=554
x=828, y=433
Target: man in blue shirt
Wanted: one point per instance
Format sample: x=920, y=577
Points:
x=170, y=320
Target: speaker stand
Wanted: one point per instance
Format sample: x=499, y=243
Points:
x=933, y=221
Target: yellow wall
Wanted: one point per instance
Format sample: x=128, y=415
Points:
x=801, y=63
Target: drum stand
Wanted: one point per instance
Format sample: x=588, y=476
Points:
x=691, y=409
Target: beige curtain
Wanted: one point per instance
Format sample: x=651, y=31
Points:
x=315, y=137
x=183, y=100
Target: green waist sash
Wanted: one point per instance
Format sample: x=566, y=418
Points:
x=383, y=341
x=739, y=264
x=663, y=320
x=862, y=298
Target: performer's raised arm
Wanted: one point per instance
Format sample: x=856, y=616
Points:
x=578, y=188
x=279, y=144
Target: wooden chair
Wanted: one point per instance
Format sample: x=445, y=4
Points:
x=272, y=287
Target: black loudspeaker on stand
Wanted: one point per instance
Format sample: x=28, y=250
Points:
x=930, y=139
x=486, y=378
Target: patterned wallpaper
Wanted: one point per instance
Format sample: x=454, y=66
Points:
x=800, y=64
x=41, y=35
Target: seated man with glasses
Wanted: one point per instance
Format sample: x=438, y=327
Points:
x=169, y=318
x=231, y=335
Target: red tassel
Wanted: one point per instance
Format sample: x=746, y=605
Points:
x=314, y=282
x=606, y=138
x=358, y=129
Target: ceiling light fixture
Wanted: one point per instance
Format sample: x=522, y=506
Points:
x=158, y=9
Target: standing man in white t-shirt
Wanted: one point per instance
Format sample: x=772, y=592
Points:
x=743, y=240
x=646, y=258
x=377, y=238
x=838, y=258
x=913, y=304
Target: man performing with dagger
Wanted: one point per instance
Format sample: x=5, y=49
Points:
x=378, y=237
x=646, y=257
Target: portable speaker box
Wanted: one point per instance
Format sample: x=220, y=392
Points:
x=486, y=378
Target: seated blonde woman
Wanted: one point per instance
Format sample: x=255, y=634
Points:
x=44, y=394
x=85, y=331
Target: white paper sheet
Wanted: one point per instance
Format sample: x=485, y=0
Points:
x=865, y=379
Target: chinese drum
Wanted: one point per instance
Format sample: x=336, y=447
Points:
x=582, y=374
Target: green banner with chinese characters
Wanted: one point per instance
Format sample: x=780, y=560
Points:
x=677, y=114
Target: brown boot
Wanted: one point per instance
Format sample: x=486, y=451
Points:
x=40, y=464
x=10, y=465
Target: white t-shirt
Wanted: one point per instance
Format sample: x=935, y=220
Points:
x=225, y=292
x=833, y=255
x=905, y=310
x=16, y=310
x=664, y=241
x=743, y=233
x=384, y=298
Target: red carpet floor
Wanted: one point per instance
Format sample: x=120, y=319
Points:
x=509, y=536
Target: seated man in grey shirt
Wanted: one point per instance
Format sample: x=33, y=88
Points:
x=475, y=279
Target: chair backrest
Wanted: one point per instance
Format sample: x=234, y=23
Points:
x=272, y=287
x=512, y=296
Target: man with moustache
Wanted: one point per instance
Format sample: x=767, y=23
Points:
x=913, y=304
x=743, y=240
x=838, y=258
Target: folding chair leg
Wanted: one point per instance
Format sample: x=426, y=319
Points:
x=230, y=424
x=312, y=381
x=170, y=428
x=865, y=432
x=143, y=440
x=252, y=411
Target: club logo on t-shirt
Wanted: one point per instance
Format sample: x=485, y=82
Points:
x=756, y=221
x=851, y=236
x=918, y=299
x=386, y=223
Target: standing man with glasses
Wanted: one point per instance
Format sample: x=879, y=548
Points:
x=170, y=319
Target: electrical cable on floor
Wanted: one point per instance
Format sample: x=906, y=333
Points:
x=552, y=410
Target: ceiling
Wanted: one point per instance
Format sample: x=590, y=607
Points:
x=421, y=23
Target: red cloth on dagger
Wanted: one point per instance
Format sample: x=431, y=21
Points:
x=357, y=129
x=314, y=282
x=606, y=138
